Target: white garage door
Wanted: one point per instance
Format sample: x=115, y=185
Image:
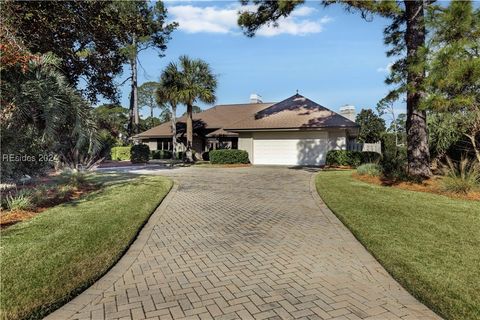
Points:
x=290, y=148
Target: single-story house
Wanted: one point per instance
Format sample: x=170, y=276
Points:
x=295, y=131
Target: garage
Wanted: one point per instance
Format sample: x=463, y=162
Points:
x=290, y=148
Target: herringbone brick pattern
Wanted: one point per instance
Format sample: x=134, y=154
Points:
x=249, y=243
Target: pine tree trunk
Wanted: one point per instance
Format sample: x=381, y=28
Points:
x=418, y=154
x=174, y=131
x=151, y=117
x=133, y=114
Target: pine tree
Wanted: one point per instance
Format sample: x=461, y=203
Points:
x=143, y=26
x=453, y=81
x=405, y=35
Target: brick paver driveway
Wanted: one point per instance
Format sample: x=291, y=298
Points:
x=245, y=243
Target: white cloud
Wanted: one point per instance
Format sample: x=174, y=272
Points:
x=213, y=19
x=303, y=11
x=386, y=69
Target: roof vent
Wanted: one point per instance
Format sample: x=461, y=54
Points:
x=255, y=98
x=348, y=112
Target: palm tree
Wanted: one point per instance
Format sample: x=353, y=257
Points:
x=168, y=94
x=198, y=83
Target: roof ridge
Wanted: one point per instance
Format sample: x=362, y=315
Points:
x=240, y=104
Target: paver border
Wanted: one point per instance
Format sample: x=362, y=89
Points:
x=95, y=291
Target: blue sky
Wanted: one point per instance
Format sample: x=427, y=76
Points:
x=331, y=56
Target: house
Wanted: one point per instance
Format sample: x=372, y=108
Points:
x=295, y=131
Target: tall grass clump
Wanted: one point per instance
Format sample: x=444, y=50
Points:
x=370, y=169
x=462, y=176
x=75, y=178
x=22, y=200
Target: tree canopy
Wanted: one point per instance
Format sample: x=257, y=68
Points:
x=82, y=34
x=453, y=80
x=371, y=126
x=91, y=38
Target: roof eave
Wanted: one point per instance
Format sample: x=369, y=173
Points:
x=291, y=128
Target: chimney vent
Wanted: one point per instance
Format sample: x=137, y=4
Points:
x=255, y=98
x=348, y=112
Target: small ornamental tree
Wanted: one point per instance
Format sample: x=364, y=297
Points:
x=371, y=126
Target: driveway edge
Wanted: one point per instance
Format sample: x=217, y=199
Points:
x=95, y=291
x=370, y=263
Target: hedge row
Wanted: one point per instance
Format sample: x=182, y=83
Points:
x=161, y=154
x=228, y=156
x=137, y=153
x=140, y=153
x=120, y=153
x=351, y=158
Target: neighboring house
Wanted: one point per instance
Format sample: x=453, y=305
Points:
x=295, y=131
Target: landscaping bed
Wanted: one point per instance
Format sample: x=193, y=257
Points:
x=52, y=257
x=432, y=185
x=427, y=242
x=42, y=194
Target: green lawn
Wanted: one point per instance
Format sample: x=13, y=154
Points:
x=429, y=243
x=51, y=258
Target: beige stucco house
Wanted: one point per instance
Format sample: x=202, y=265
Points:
x=295, y=131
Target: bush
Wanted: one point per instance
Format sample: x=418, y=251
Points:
x=161, y=154
x=180, y=155
x=64, y=191
x=22, y=200
x=206, y=156
x=39, y=194
x=370, y=169
x=394, y=160
x=461, y=177
x=120, y=153
x=351, y=158
x=228, y=156
x=140, y=153
x=75, y=178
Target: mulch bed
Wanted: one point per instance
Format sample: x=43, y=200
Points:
x=8, y=218
x=432, y=185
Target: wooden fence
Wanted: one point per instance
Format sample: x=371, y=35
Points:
x=364, y=147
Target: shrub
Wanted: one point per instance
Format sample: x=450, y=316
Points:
x=206, y=156
x=120, y=153
x=461, y=177
x=370, y=169
x=351, y=158
x=180, y=155
x=161, y=154
x=40, y=194
x=228, y=156
x=140, y=153
x=394, y=160
x=22, y=200
x=74, y=178
x=64, y=191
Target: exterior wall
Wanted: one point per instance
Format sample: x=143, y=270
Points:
x=245, y=142
x=151, y=143
x=337, y=139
